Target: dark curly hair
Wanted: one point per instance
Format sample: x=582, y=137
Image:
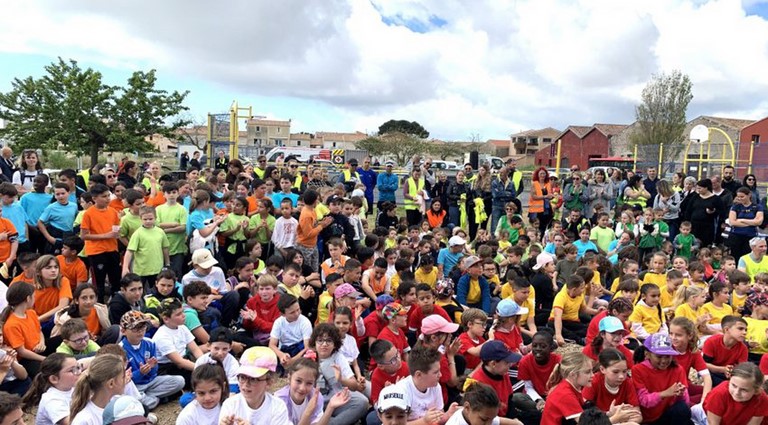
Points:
x=326, y=329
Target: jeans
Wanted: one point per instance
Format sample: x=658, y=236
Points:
x=454, y=216
x=160, y=387
x=352, y=411
x=496, y=213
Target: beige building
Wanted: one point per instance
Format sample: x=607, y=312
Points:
x=304, y=140
x=332, y=140
x=266, y=134
x=531, y=141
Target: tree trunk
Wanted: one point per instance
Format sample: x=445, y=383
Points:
x=94, y=152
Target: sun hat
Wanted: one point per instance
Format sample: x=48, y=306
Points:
x=124, y=410
x=345, y=290
x=456, y=241
x=509, y=308
x=393, y=397
x=133, y=319
x=542, y=260
x=660, y=345
x=202, y=257
x=611, y=324
x=393, y=309
x=496, y=350
x=257, y=361
x=471, y=261
x=435, y=323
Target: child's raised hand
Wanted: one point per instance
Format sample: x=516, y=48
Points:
x=359, y=309
x=313, y=402
x=5, y=363
x=453, y=347
x=339, y=399
x=247, y=314
x=433, y=415
x=307, y=292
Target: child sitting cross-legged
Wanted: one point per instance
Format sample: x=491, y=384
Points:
x=77, y=341
x=496, y=360
x=290, y=334
x=474, y=322
x=480, y=403
x=176, y=347
x=261, y=310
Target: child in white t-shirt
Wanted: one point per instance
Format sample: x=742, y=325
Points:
x=290, y=332
x=254, y=404
x=422, y=388
x=174, y=342
x=286, y=227
x=209, y=384
x=52, y=388
x=220, y=347
x=480, y=403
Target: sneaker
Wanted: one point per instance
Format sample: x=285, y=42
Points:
x=152, y=418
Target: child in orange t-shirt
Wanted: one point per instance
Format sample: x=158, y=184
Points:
x=52, y=291
x=71, y=266
x=117, y=203
x=100, y=229
x=21, y=328
x=27, y=265
x=9, y=245
x=259, y=189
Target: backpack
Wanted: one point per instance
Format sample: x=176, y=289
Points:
x=23, y=175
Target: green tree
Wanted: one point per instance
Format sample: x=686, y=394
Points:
x=402, y=126
x=400, y=147
x=661, y=115
x=70, y=108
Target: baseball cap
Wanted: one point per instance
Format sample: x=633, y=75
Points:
x=333, y=199
x=391, y=397
x=611, y=324
x=496, y=350
x=445, y=287
x=434, y=323
x=393, y=309
x=124, y=410
x=509, y=308
x=456, y=241
x=352, y=161
x=542, y=260
x=257, y=361
x=661, y=345
x=202, y=257
x=133, y=319
x=383, y=300
x=389, y=164
x=345, y=290
x=756, y=299
x=471, y=261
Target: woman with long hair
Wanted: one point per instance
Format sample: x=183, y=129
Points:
x=750, y=181
x=599, y=192
x=29, y=168
x=235, y=170
x=703, y=212
x=668, y=200
x=128, y=174
x=539, y=206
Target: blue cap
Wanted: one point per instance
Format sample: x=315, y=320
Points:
x=496, y=350
x=611, y=324
x=383, y=300
x=509, y=308
x=124, y=410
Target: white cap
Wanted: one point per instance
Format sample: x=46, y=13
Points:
x=456, y=241
x=392, y=396
x=542, y=260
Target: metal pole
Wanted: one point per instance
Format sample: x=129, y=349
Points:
x=634, y=159
x=701, y=158
x=557, y=160
x=661, y=161
x=751, y=154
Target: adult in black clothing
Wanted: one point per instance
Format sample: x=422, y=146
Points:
x=703, y=211
x=387, y=216
x=128, y=174
x=221, y=163
x=726, y=198
x=650, y=182
x=544, y=282
x=195, y=161
x=183, y=161
x=234, y=170
x=729, y=182
x=688, y=192
x=440, y=190
x=7, y=167
x=455, y=191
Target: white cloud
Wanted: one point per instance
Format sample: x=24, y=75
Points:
x=488, y=67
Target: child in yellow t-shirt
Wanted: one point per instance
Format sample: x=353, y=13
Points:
x=741, y=287
x=567, y=305
x=688, y=302
x=647, y=317
x=718, y=307
x=667, y=300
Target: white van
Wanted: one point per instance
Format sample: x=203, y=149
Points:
x=302, y=154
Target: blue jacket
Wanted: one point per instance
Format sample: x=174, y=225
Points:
x=387, y=184
x=368, y=178
x=136, y=357
x=462, y=289
x=502, y=194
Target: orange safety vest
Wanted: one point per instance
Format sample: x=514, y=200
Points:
x=537, y=205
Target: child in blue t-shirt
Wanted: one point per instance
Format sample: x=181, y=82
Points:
x=583, y=244
x=58, y=218
x=13, y=211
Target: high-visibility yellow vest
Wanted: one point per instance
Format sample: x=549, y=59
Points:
x=753, y=267
x=517, y=179
x=413, y=190
x=348, y=176
x=298, y=181
x=635, y=201
x=259, y=172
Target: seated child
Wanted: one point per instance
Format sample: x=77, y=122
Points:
x=723, y=351
x=261, y=310
x=480, y=402
x=474, y=321
x=534, y=369
x=290, y=333
x=496, y=360
x=175, y=343
x=77, y=341
x=389, y=366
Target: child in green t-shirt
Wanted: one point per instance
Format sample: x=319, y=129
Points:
x=77, y=341
x=685, y=242
x=148, y=249
x=233, y=230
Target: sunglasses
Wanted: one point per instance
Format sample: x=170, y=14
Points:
x=293, y=166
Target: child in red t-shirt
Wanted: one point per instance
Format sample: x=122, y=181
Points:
x=534, y=369
x=261, y=310
x=682, y=332
x=474, y=321
x=738, y=402
x=660, y=382
x=723, y=351
x=497, y=359
x=436, y=332
x=389, y=367
x=425, y=299
x=611, y=335
x=565, y=384
x=612, y=387
x=394, y=332
x=506, y=329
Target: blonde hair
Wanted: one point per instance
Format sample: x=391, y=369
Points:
x=571, y=363
x=685, y=293
x=102, y=369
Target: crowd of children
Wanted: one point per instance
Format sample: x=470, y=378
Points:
x=187, y=288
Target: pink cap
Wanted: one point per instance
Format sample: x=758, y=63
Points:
x=434, y=323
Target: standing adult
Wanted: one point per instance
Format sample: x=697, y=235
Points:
x=575, y=194
x=469, y=177
x=750, y=181
x=316, y=181
x=517, y=179
x=387, y=182
x=29, y=168
x=183, y=160
x=539, y=206
x=299, y=186
x=688, y=192
x=429, y=175
x=616, y=181
x=6, y=163
x=350, y=177
x=221, y=163
x=635, y=193
x=482, y=190
x=677, y=181
x=128, y=174
x=726, y=198
x=412, y=190
x=703, y=212
x=650, y=182
x=195, y=161
x=668, y=200
x=502, y=191
x=574, y=170
x=458, y=192
x=368, y=178
x=744, y=217
x=261, y=167
x=755, y=261
x=440, y=190
x=729, y=182
x=600, y=192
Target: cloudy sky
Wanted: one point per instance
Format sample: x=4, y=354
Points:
x=460, y=68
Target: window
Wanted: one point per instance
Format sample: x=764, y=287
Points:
x=278, y=129
x=258, y=128
x=533, y=141
x=298, y=143
x=547, y=140
x=756, y=138
x=334, y=144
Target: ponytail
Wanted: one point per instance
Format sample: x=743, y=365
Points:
x=16, y=295
x=101, y=370
x=51, y=366
x=570, y=363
